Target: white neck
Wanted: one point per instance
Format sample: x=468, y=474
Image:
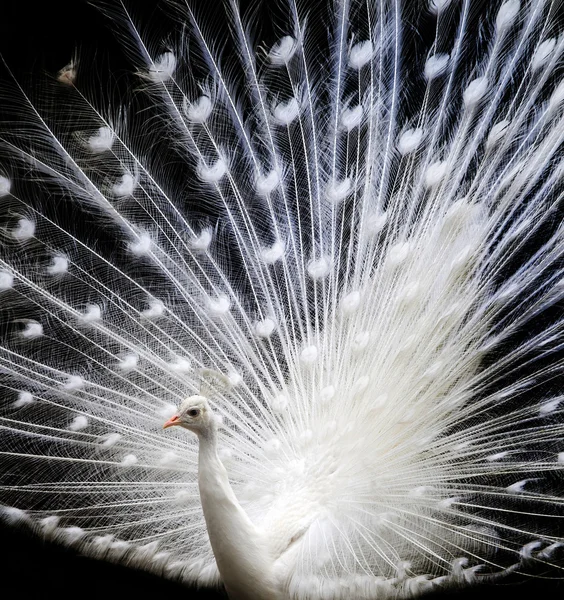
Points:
x=240, y=549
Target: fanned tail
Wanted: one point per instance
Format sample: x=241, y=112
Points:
x=366, y=241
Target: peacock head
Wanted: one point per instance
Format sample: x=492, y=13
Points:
x=193, y=414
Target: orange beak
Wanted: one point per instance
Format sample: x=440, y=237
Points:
x=172, y=421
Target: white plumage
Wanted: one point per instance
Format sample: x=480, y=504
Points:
x=335, y=254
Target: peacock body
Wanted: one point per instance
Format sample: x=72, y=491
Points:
x=335, y=254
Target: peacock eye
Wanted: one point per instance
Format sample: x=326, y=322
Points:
x=193, y=412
